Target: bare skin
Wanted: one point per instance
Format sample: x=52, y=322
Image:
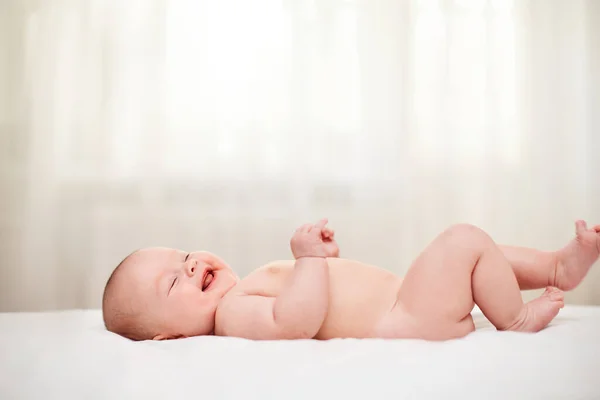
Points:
x=563, y=269
x=318, y=295
x=460, y=268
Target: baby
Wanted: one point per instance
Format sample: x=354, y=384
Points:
x=161, y=293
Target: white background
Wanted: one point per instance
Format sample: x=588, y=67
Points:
x=224, y=125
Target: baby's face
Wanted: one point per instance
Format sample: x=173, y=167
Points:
x=178, y=290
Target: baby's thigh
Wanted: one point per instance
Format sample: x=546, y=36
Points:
x=400, y=324
x=437, y=287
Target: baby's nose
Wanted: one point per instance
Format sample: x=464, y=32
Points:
x=191, y=267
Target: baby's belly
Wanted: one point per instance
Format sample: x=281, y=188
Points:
x=361, y=297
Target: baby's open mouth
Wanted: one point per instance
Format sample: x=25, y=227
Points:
x=208, y=278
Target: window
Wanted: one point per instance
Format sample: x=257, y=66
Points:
x=266, y=89
x=465, y=79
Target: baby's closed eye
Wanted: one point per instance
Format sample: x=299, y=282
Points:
x=172, y=284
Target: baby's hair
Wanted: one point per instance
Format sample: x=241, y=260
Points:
x=119, y=317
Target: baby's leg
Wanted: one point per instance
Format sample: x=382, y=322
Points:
x=534, y=269
x=461, y=266
x=564, y=269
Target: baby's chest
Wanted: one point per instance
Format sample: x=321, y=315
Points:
x=267, y=281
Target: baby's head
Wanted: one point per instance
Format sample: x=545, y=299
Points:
x=160, y=293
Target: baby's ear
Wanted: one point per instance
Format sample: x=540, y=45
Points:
x=166, y=337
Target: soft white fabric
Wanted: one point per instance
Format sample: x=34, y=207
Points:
x=222, y=125
x=64, y=355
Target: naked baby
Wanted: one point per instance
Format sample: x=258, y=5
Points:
x=161, y=293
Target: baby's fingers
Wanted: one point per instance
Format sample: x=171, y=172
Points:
x=321, y=224
x=597, y=228
x=304, y=228
x=580, y=226
x=328, y=233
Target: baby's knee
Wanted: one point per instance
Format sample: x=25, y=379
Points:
x=467, y=233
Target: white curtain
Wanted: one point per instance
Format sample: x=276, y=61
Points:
x=222, y=125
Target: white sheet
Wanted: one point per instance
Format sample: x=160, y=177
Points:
x=69, y=355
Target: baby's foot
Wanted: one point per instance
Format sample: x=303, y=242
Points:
x=576, y=258
x=538, y=313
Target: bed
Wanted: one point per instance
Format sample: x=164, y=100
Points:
x=69, y=355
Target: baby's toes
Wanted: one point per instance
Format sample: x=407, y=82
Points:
x=555, y=294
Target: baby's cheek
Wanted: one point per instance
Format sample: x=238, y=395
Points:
x=197, y=314
x=186, y=309
x=195, y=298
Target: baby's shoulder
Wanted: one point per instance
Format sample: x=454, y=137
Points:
x=265, y=280
x=272, y=268
x=262, y=284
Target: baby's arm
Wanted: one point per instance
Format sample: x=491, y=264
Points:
x=300, y=309
x=297, y=313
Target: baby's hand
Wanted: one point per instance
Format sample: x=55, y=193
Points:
x=314, y=241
